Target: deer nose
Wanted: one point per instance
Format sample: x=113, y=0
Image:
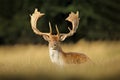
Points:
x=55, y=44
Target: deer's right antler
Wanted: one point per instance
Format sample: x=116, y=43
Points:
x=34, y=17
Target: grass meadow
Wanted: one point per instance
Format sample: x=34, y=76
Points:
x=33, y=62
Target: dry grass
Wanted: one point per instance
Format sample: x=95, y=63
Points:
x=32, y=61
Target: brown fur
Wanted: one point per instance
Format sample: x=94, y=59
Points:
x=67, y=58
x=75, y=58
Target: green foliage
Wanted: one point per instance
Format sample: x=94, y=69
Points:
x=98, y=19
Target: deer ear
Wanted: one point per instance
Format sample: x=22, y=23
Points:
x=46, y=37
x=62, y=38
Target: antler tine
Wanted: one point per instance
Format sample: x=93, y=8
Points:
x=34, y=17
x=74, y=19
x=50, y=28
x=57, y=30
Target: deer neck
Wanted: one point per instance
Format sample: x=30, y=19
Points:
x=56, y=54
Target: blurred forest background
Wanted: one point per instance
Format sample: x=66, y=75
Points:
x=99, y=19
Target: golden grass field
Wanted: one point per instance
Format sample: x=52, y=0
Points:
x=32, y=61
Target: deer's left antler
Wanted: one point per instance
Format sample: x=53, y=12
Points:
x=74, y=19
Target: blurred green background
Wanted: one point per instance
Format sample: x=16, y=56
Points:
x=99, y=19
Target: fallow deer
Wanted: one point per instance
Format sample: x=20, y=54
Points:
x=57, y=55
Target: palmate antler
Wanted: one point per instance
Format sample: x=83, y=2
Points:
x=73, y=18
x=34, y=17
